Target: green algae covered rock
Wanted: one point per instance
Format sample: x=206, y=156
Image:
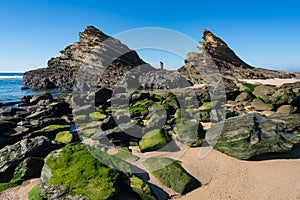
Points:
x=283, y=96
x=74, y=173
x=141, y=188
x=250, y=135
x=50, y=131
x=153, y=140
x=190, y=133
x=77, y=172
x=64, y=137
x=208, y=105
x=171, y=174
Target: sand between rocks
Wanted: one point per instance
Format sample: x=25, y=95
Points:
x=19, y=192
x=224, y=177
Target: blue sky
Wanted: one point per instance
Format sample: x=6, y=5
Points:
x=263, y=33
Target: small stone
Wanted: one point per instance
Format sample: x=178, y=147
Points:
x=287, y=109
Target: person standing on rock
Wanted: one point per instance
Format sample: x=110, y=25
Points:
x=161, y=69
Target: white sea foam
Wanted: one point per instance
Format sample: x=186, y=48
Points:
x=11, y=77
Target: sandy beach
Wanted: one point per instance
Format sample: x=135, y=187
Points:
x=224, y=177
x=277, y=81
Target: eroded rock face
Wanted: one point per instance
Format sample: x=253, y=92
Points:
x=230, y=66
x=62, y=71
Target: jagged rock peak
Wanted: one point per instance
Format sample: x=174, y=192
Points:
x=212, y=40
x=91, y=34
x=216, y=52
x=219, y=50
x=62, y=70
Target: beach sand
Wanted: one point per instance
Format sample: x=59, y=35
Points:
x=224, y=177
x=276, y=81
x=19, y=192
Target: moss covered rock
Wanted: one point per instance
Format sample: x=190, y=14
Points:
x=153, y=140
x=79, y=173
x=208, y=105
x=74, y=173
x=64, y=137
x=190, y=133
x=140, y=108
x=97, y=116
x=141, y=188
x=250, y=135
x=171, y=174
x=51, y=131
x=283, y=96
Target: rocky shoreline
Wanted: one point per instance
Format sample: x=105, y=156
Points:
x=43, y=137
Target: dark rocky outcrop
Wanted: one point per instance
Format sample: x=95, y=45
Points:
x=12, y=156
x=231, y=68
x=62, y=71
x=28, y=169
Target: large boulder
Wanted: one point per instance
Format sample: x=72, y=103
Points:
x=259, y=105
x=171, y=174
x=12, y=155
x=28, y=169
x=283, y=96
x=244, y=96
x=264, y=92
x=250, y=135
x=153, y=140
x=74, y=173
x=35, y=99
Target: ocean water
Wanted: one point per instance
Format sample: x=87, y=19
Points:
x=10, y=88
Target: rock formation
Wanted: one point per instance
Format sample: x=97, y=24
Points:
x=61, y=71
x=259, y=135
x=230, y=66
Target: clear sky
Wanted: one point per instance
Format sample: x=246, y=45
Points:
x=263, y=33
